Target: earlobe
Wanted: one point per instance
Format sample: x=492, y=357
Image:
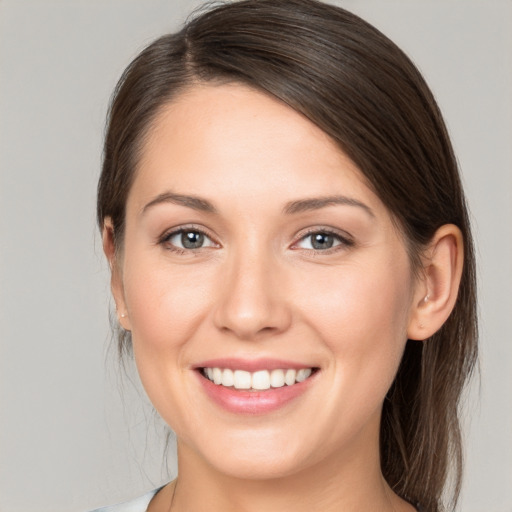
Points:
x=436, y=293
x=116, y=281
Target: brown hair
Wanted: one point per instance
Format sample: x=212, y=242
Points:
x=363, y=91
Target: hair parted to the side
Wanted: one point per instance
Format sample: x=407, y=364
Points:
x=361, y=89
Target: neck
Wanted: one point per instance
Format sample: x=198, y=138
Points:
x=347, y=483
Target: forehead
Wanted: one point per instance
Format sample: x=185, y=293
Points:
x=233, y=141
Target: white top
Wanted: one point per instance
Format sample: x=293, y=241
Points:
x=137, y=505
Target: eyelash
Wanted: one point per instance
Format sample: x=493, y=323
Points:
x=344, y=241
x=165, y=239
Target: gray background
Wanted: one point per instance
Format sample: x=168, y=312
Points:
x=69, y=439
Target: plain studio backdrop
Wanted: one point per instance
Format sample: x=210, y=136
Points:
x=74, y=434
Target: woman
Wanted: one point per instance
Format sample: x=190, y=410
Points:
x=291, y=262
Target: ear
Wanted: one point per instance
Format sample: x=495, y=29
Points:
x=116, y=278
x=436, y=293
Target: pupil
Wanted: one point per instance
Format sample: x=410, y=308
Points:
x=192, y=239
x=322, y=241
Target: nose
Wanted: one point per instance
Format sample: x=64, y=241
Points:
x=253, y=302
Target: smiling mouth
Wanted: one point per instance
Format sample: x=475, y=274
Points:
x=260, y=380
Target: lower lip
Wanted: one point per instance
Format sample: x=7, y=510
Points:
x=253, y=402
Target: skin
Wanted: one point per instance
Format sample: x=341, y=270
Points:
x=258, y=288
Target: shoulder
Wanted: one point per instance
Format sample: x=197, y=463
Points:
x=139, y=504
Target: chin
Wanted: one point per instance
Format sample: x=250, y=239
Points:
x=263, y=468
x=252, y=456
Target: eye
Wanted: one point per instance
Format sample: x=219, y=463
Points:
x=322, y=241
x=188, y=239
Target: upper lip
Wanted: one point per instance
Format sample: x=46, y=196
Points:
x=252, y=365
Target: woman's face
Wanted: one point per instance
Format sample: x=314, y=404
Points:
x=254, y=249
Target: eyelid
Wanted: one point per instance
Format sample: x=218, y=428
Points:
x=169, y=233
x=345, y=239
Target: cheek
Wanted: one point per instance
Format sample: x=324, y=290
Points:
x=362, y=316
x=166, y=306
x=165, y=303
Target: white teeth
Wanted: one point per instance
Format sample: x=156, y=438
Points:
x=228, y=379
x=260, y=380
x=242, y=379
x=277, y=378
x=289, y=377
x=303, y=374
x=217, y=375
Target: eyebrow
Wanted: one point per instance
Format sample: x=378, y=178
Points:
x=293, y=207
x=193, y=202
x=316, y=203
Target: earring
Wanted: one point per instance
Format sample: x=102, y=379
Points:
x=426, y=298
x=123, y=315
